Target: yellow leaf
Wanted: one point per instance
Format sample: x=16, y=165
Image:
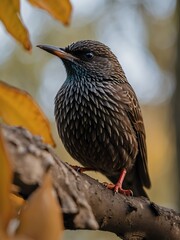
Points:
x=60, y=9
x=17, y=107
x=10, y=16
x=5, y=185
x=3, y=235
x=19, y=237
x=17, y=202
x=41, y=217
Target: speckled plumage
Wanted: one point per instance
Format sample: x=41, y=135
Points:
x=98, y=115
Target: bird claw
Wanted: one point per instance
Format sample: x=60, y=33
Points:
x=116, y=188
x=109, y=185
x=77, y=168
x=81, y=169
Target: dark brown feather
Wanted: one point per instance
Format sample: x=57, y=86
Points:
x=98, y=115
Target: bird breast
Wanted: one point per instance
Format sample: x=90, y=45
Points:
x=93, y=126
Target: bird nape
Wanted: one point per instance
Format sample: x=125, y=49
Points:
x=98, y=116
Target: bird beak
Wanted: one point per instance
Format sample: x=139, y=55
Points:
x=59, y=52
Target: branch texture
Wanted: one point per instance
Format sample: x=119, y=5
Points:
x=86, y=203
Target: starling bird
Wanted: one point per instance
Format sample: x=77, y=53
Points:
x=98, y=116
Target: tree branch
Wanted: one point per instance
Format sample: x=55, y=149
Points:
x=86, y=203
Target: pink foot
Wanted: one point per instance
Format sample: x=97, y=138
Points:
x=118, y=186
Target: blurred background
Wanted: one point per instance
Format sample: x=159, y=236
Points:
x=143, y=34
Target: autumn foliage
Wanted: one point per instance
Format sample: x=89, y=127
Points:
x=19, y=109
x=11, y=17
x=41, y=211
x=40, y=216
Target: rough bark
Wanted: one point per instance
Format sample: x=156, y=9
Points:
x=86, y=203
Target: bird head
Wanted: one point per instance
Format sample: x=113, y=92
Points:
x=90, y=59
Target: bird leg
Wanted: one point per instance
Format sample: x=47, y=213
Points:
x=81, y=169
x=118, y=186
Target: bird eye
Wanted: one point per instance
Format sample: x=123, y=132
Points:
x=89, y=55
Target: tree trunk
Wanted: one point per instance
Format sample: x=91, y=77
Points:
x=86, y=203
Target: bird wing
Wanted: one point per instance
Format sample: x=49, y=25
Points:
x=132, y=108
